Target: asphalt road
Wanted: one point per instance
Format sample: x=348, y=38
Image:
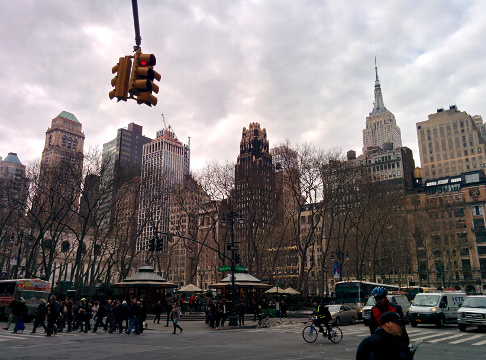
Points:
x=200, y=342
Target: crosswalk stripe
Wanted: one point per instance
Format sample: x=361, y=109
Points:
x=466, y=339
x=426, y=337
x=479, y=343
x=446, y=338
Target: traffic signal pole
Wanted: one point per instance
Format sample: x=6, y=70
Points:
x=138, y=38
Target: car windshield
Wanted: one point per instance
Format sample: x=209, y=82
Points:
x=334, y=308
x=426, y=300
x=371, y=301
x=475, y=302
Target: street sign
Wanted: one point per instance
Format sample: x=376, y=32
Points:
x=190, y=250
x=228, y=268
x=235, y=248
x=336, y=270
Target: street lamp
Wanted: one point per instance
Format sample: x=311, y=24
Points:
x=201, y=273
x=340, y=254
x=230, y=217
x=325, y=269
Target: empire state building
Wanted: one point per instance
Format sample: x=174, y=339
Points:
x=381, y=126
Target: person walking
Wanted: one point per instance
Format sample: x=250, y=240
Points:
x=135, y=311
x=40, y=315
x=98, y=317
x=84, y=312
x=13, y=315
x=22, y=311
x=158, y=311
x=283, y=308
x=53, y=313
x=175, y=315
x=241, y=308
x=169, y=311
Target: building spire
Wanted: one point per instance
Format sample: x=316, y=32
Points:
x=378, y=105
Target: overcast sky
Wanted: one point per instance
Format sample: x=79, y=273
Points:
x=303, y=69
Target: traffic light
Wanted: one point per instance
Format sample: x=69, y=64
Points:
x=141, y=83
x=121, y=79
x=158, y=245
x=151, y=245
x=237, y=258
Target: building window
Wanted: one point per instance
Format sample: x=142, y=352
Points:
x=64, y=141
x=477, y=210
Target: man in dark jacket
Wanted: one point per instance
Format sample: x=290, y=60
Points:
x=323, y=317
x=385, y=343
x=21, y=312
x=135, y=311
x=53, y=313
x=40, y=315
x=158, y=311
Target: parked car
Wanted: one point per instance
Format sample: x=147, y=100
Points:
x=399, y=299
x=436, y=308
x=342, y=314
x=472, y=312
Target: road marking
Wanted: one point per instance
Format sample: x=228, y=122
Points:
x=446, y=338
x=466, y=339
x=426, y=337
x=479, y=343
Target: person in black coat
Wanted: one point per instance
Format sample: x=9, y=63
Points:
x=158, y=311
x=169, y=310
x=40, y=315
x=386, y=342
x=22, y=311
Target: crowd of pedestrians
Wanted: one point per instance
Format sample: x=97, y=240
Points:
x=57, y=316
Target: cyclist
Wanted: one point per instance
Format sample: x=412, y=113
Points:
x=383, y=305
x=385, y=343
x=323, y=317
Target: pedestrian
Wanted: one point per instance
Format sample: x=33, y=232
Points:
x=84, y=314
x=213, y=313
x=126, y=314
x=135, y=311
x=283, y=308
x=13, y=305
x=208, y=311
x=53, y=313
x=40, y=315
x=256, y=311
x=241, y=308
x=175, y=316
x=22, y=311
x=143, y=316
x=98, y=317
x=68, y=313
x=158, y=311
x=169, y=310
x=219, y=314
x=386, y=342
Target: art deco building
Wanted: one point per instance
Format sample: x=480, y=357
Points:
x=13, y=184
x=381, y=126
x=450, y=143
x=254, y=193
x=165, y=161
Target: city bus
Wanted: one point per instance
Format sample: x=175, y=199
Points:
x=32, y=290
x=355, y=293
x=411, y=291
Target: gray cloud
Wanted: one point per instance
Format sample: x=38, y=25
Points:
x=303, y=69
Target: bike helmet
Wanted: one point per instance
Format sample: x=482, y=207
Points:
x=379, y=291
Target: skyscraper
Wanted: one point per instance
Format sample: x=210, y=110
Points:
x=61, y=167
x=122, y=161
x=13, y=183
x=450, y=143
x=165, y=161
x=254, y=195
x=381, y=126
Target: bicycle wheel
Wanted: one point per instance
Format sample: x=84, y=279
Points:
x=309, y=334
x=336, y=335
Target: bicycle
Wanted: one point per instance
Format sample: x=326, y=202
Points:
x=311, y=332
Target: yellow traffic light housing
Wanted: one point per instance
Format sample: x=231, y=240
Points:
x=121, y=79
x=142, y=76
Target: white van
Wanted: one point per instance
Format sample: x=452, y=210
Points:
x=399, y=299
x=472, y=312
x=436, y=308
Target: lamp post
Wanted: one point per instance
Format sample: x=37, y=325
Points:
x=325, y=269
x=340, y=254
x=201, y=273
x=230, y=217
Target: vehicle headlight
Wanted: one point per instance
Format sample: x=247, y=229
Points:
x=434, y=309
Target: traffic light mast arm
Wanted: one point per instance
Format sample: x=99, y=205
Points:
x=138, y=38
x=206, y=245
